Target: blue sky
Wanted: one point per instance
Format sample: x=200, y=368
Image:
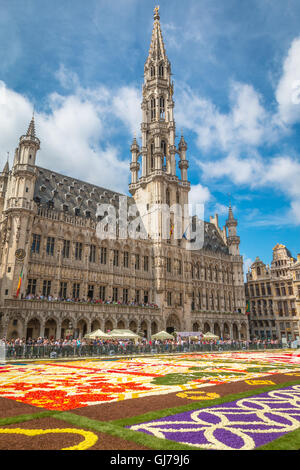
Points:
x=236, y=66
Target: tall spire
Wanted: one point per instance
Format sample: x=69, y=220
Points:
x=157, y=50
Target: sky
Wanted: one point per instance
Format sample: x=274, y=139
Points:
x=236, y=69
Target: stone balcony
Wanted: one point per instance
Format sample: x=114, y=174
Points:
x=30, y=306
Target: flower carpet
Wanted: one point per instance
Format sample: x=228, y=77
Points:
x=213, y=401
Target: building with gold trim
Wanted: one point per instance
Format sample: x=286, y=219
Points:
x=273, y=293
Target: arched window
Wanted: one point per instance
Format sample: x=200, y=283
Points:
x=162, y=107
x=177, y=198
x=152, y=161
x=168, y=197
x=152, y=71
x=153, y=109
x=161, y=70
x=164, y=151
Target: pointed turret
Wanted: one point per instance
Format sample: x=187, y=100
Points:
x=30, y=137
x=233, y=240
x=134, y=166
x=3, y=183
x=31, y=128
x=5, y=170
x=231, y=220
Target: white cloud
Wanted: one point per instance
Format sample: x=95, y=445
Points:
x=280, y=173
x=199, y=195
x=127, y=107
x=67, y=78
x=240, y=171
x=288, y=89
x=16, y=112
x=247, y=264
x=247, y=124
x=76, y=130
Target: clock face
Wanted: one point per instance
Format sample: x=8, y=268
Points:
x=20, y=254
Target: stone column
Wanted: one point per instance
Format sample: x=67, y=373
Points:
x=58, y=330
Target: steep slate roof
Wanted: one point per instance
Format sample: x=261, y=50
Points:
x=212, y=239
x=54, y=189
x=60, y=191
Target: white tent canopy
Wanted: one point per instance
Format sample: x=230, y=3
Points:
x=162, y=335
x=186, y=334
x=97, y=334
x=210, y=335
x=123, y=334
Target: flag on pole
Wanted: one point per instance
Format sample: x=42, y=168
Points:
x=184, y=235
x=19, y=283
x=248, y=308
x=171, y=230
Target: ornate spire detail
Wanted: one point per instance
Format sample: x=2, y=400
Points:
x=30, y=134
x=6, y=168
x=231, y=220
x=157, y=50
x=31, y=128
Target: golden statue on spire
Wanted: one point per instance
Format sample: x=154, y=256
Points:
x=156, y=12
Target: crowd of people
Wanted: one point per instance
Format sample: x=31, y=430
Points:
x=50, y=298
x=44, y=347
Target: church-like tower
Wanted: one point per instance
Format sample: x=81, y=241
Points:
x=18, y=212
x=233, y=240
x=155, y=181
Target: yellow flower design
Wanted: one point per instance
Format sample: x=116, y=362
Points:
x=196, y=395
x=259, y=382
x=89, y=437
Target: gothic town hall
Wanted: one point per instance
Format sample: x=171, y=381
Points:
x=58, y=278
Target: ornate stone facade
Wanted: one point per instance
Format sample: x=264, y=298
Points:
x=273, y=294
x=48, y=231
